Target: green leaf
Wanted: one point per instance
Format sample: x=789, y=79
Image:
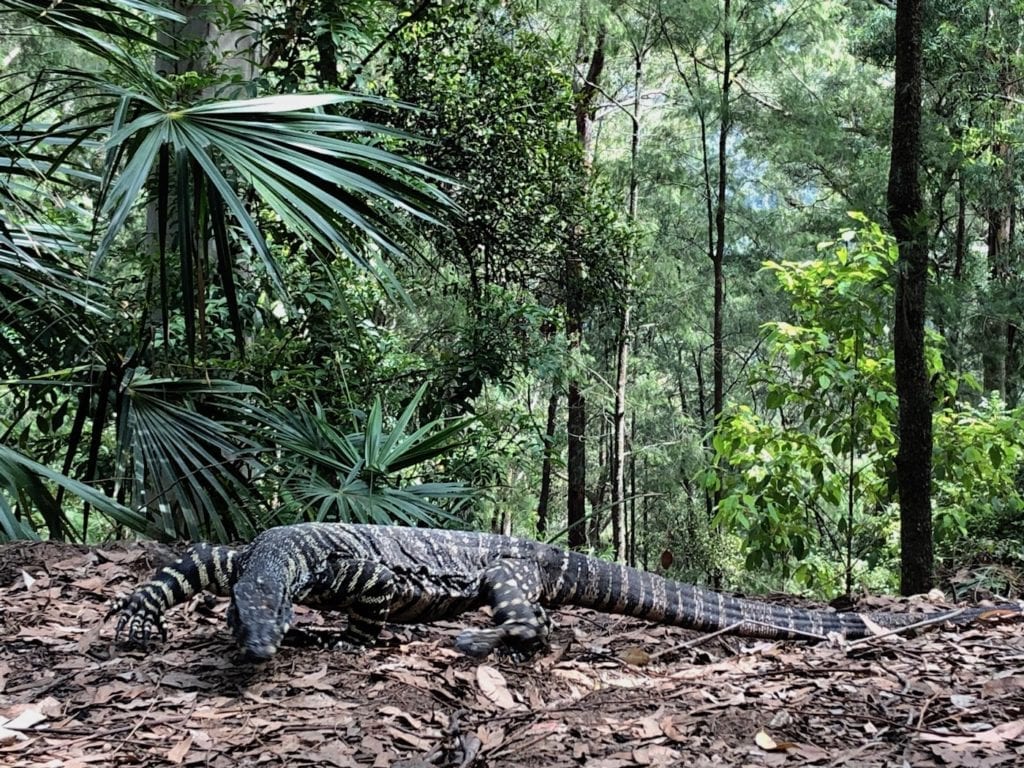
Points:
x=20, y=473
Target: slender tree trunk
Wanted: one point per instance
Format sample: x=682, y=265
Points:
x=545, y=470
x=618, y=452
x=622, y=369
x=586, y=95
x=998, y=367
x=914, y=456
x=960, y=246
x=725, y=121
x=718, y=258
x=596, y=496
x=577, y=435
x=994, y=352
x=632, y=498
x=327, y=59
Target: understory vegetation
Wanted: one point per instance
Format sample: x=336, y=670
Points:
x=617, y=275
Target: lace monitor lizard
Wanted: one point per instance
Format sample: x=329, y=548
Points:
x=418, y=575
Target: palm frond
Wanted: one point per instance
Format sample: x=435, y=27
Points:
x=182, y=464
x=23, y=482
x=357, y=475
x=47, y=306
x=102, y=27
x=322, y=175
x=320, y=185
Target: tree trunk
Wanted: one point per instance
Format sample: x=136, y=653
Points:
x=595, y=523
x=960, y=243
x=576, y=467
x=994, y=351
x=618, y=459
x=545, y=470
x=327, y=59
x=998, y=366
x=586, y=95
x=914, y=456
x=631, y=538
x=718, y=260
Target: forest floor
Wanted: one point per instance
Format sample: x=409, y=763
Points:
x=612, y=692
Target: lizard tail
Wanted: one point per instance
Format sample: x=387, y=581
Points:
x=613, y=588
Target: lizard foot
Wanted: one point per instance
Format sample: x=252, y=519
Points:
x=478, y=642
x=138, y=621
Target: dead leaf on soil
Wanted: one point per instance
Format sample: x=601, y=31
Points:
x=1011, y=731
x=176, y=754
x=494, y=686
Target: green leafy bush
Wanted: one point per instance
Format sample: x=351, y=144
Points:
x=809, y=487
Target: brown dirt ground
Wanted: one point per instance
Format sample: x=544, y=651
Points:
x=611, y=693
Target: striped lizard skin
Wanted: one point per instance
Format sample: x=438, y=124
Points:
x=418, y=575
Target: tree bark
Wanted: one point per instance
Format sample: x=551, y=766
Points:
x=586, y=95
x=718, y=260
x=545, y=470
x=618, y=458
x=913, y=388
x=998, y=367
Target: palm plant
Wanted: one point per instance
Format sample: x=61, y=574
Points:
x=177, y=455
x=357, y=475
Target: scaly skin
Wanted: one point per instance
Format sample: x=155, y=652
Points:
x=385, y=573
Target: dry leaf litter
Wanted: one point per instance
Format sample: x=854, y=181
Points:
x=611, y=693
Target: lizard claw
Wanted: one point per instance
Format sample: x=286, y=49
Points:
x=138, y=621
x=347, y=646
x=477, y=642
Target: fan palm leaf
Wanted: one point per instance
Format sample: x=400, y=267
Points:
x=320, y=185
x=183, y=458
x=102, y=27
x=22, y=485
x=357, y=475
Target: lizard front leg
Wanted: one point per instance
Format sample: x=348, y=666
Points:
x=201, y=567
x=364, y=589
x=522, y=626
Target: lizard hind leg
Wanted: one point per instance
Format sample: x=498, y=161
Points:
x=521, y=624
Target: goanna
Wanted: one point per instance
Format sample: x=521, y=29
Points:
x=417, y=575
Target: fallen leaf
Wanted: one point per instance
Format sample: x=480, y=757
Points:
x=765, y=742
x=1000, y=685
x=493, y=685
x=491, y=736
x=176, y=754
x=311, y=701
x=23, y=720
x=8, y=737
x=656, y=754
x=1011, y=731
x=412, y=739
x=576, y=676
x=91, y=584
x=636, y=657
x=312, y=680
x=768, y=744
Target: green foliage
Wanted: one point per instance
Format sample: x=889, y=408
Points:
x=810, y=481
x=321, y=187
x=812, y=474
x=24, y=488
x=362, y=475
x=199, y=271
x=979, y=459
x=230, y=184
x=179, y=456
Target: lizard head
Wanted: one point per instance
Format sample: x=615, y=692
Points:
x=259, y=616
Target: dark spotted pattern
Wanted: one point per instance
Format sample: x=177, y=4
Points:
x=382, y=573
